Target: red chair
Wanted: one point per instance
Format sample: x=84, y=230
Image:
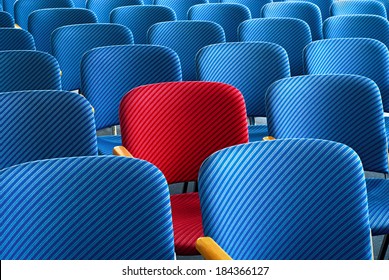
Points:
x=176, y=126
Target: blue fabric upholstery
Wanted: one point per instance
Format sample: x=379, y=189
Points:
x=286, y=199
x=257, y=132
x=357, y=26
x=291, y=34
x=6, y=20
x=103, y=8
x=139, y=19
x=254, y=6
x=16, y=39
x=42, y=23
x=116, y=208
x=28, y=70
x=83, y=37
x=251, y=67
x=324, y=6
x=386, y=4
x=378, y=197
x=8, y=6
x=186, y=38
x=106, y=143
x=355, y=7
x=79, y=3
x=305, y=11
x=228, y=15
x=359, y=56
x=45, y=124
x=23, y=8
x=180, y=7
x=330, y=112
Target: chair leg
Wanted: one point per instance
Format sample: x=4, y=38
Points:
x=185, y=190
x=384, y=247
x=196, y=186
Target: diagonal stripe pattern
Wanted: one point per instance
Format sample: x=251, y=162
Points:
x=103, y=8
x=357, y=7
x=179, y=7
x=6, y=20
x=254, y=6
x=16, y=39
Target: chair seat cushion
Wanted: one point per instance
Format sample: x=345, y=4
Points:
x=187, y=222
x=257, y=132
x=378, y=198
x=106, y=144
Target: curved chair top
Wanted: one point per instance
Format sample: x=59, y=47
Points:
x=180, y=7
x=254, y=6
x=103, y=8
x=6, y=20
x=354, y=7
x=16, y=39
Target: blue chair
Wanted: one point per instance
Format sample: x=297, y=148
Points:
x=122, y=68
x=291, y=34
x=286, y=200
x=386, y=4
x=228, y=15
x=330, y=112
x=186, y=38
x=42, y=23
x=123, y=214
x=23, y=8
x=69, y=43
x=28, y=70
x=357, y=26
x=254, y=6
x=102, y=8
x=180, y=7
x=139, y=19
x=357, y=7
x=305, y=11
x=324, y=6
x=251, y=67
x=16, y=39
x=6, y=20
x=8, y=6
x=79, y=3
x=45, y=124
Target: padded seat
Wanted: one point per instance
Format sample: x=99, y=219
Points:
x=257, y=132
x=378, y=199
x=106, y=144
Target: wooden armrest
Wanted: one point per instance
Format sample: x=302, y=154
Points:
x=121, y=151
x=210, y=250
x=268, y=138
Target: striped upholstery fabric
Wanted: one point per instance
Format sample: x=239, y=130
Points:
x=378, y=194
x=6, y=20
x=84, y=37
x=324, y=6
x=186, y=38
x=122, y=68
x=286, y=199
x=16, y=39
x=228, y=15
x=139, y=19
x=291, y=34
x=359, y=56
x=117, y=208
x=180, y=7
x=8, y=6
x=386, y=4
x=357, y=26
x=254, y=6
x=45, y=124
x=195, y=119
x=354, y=7
x=79, y=3
x=102, y=8
x=42, y=23
x=23, y=8
x=305, y=11
x=28, y=70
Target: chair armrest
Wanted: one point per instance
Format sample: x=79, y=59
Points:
x=121, y=151
x=210, y=250
x=268, y=138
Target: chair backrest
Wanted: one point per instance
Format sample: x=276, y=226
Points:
x=306, y=11
x=386, y=4
x=23, y=8
x=355, y=7
x=45, y=124
x=357, y=26
x=342, y=108
x=358, y=56
x=123, y=68
x=177, y=125
x=42, y=23
x=79, y=3
x=28, y=70
x=102, y=8
x=254, y=6
x=186, y=38
x=180, y=7
x=228, y=15
x=291, y=34
x=8, y=6
x=324, y=6
x=6, y=20
x=286, y=200
x=116, y=208
x=251, y=67
x=69, y=43
x=139, y=19
x=16, y=39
